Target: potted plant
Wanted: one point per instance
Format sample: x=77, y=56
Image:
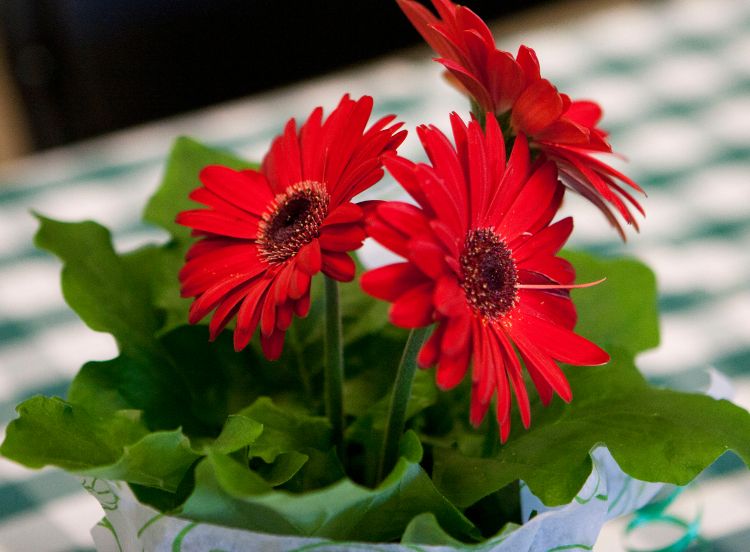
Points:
x=267, y=395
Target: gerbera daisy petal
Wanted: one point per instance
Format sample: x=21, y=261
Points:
x=583, y=112
x=413, y=309
x=268, y=315
x=403, y=217
x=531, y=204
x=248, y=190
x=299, y=284
x=404, y=171
x=430, y=352
x=346, y=213
x=212, y=296
x=198, y=280
x=452, y=369
x=428, y=256
x=387, y=236
x=309, y=258
x=284, y=315
x=282, y=283
x=546, y=242
x=555, y=269
x=529, y=62
x=456, y=336
x=342, y=237
x=516, y=379
x=536, y=108
x=555, y=307
x=248, y=315
x=218, y=223
x=561, y=343
x=302, y=306
x=539, y=363
x=471, y=83
x=391, y=281
x=566, y=132
x=444, y=160
x=505, y=80
x=339, y=266
x=227, y=309
x=513, y=180
x=446, y=238
x=210, y=199
x=272, y=344
x=449, y=297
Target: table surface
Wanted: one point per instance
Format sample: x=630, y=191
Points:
x=674, y=79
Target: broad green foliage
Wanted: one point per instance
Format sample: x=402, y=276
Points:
x=231, y=438
x=239, y=432
x=51, y=431
x=103, y=290
x=425, y=529
x=620, y=312
x=654, y=434
x=285, y=431
x=227, y=495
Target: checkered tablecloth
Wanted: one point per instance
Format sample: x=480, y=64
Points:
x=674, y=79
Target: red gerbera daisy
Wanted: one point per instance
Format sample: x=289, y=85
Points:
x=480, y=260
x=266, y=233
x=564, y=131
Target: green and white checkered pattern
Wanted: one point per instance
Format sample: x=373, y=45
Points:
x=674, y=79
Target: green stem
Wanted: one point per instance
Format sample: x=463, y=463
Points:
x=399, y=400
x=304, y=373
x=334, y=363
x=491, y=445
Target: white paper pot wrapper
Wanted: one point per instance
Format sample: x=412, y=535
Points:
x=129, y=526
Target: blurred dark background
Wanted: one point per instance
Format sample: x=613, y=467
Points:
x=86, y=67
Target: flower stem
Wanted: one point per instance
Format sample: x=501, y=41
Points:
x=334, y=364
x=399, y=400
x=491, y=445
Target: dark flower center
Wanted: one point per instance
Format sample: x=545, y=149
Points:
x=489, y=274
x=292, y=220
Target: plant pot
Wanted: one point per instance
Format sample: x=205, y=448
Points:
x=129, y=526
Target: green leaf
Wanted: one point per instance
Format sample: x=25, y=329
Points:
x=285, y=430
x=425, y=529
x=342, y=511
x=126, y=383
x=51, y=431
x=160, y=460
x=239, y=432
x=284, y=467
x=217, y=380
x=156, y=270
x=653, y=434
x=235, y=476
x=99, y=286
x=621, y=312
x=185, y=162
x=177, y=390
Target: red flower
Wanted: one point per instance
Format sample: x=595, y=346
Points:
x=266, y=233
x=564, y=131
x=480, y=260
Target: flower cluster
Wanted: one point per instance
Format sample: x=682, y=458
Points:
x=562, y=130
x=479, y=244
